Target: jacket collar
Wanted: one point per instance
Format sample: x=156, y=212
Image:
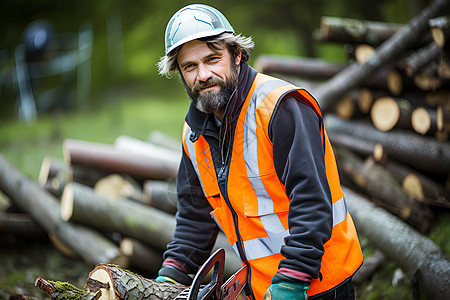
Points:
x=200, y=122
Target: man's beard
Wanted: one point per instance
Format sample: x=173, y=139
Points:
x=212, y=101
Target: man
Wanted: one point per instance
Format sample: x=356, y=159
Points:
x=256, y=164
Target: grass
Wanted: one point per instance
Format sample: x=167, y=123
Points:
x=25, y=145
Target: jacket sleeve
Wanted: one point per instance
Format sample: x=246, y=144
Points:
x=299, y=162
x=195, y=231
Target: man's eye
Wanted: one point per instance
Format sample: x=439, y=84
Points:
x=213, y=59
x=189, y=67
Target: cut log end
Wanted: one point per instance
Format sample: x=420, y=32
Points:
x=378, y=152
x=421, y=120
x=385, y=113
x=363, y=53
x=44, y=171
x=345, y=108
x=395, y=82
x=365, y=100
x=67, y=203
x=103, y=281
x=438, y=36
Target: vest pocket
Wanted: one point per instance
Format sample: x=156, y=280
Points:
x=263, y=195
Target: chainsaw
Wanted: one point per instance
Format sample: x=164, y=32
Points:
x=215, y=290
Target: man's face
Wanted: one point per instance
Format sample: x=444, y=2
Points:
x=210, y=76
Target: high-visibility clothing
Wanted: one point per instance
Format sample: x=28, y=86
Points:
x=254, y=212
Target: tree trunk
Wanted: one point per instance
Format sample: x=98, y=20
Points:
x=109, y=158
x=353, y=31
x=416, y=61
x=422, y=260
x=354, y=75
x=20, y=225
x=44, y=209
x=311, y=68
x=381, y=185
x=421, y=152
x=117, y=283
x=147, y=224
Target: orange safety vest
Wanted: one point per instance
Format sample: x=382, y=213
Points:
x=259, y=199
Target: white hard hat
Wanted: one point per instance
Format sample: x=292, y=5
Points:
x=193, y=22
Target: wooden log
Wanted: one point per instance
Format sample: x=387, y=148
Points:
x=347, y=30
x=363, y=53
x=161, y=195
x=368, y=268
x=119, y=186
x=440, y=31
x=140, y=256
x=418, y=59
x=422, y=260
x=117, y=283
x=425, y=120
x=161, y=139
x=20, y=225
x=44, y=209
x=379, y=184
x=311, y=68
x=419, y=186
x=144, y=148
x=108, y=158
x=354, y=75
x=388, y=113
x=65, y=290
x=443, y=66
x=363, y=148
x=427, y=79
x=147, y=224
x=421, y=152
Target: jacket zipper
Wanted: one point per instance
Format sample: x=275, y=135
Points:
x=222, y=180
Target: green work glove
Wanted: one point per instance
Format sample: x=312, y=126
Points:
x=284, y=290
x=165, y=279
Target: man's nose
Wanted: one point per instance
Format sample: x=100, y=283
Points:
x=204, y=73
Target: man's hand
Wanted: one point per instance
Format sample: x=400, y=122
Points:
x=286, y=291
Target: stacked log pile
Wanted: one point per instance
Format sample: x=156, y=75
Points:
x=111, y=204
x=387, y=114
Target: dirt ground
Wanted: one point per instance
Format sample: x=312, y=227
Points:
x=23, y=260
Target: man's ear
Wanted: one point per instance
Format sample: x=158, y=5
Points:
x=237, y=59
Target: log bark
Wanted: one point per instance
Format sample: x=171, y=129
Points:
x=419, y=186
x=353, y=31
x=354, y=75
x=108, y=158
x=311, y=68
x=382, y=186
x=421, y=152
x=117, y=283
x=422, y=260
x=417, y=60
x=362, y=147
x=144, y=148
x=147, y=224
x=44, y=209
x=369, y=267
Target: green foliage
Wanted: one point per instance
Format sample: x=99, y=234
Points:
x=67, y=291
